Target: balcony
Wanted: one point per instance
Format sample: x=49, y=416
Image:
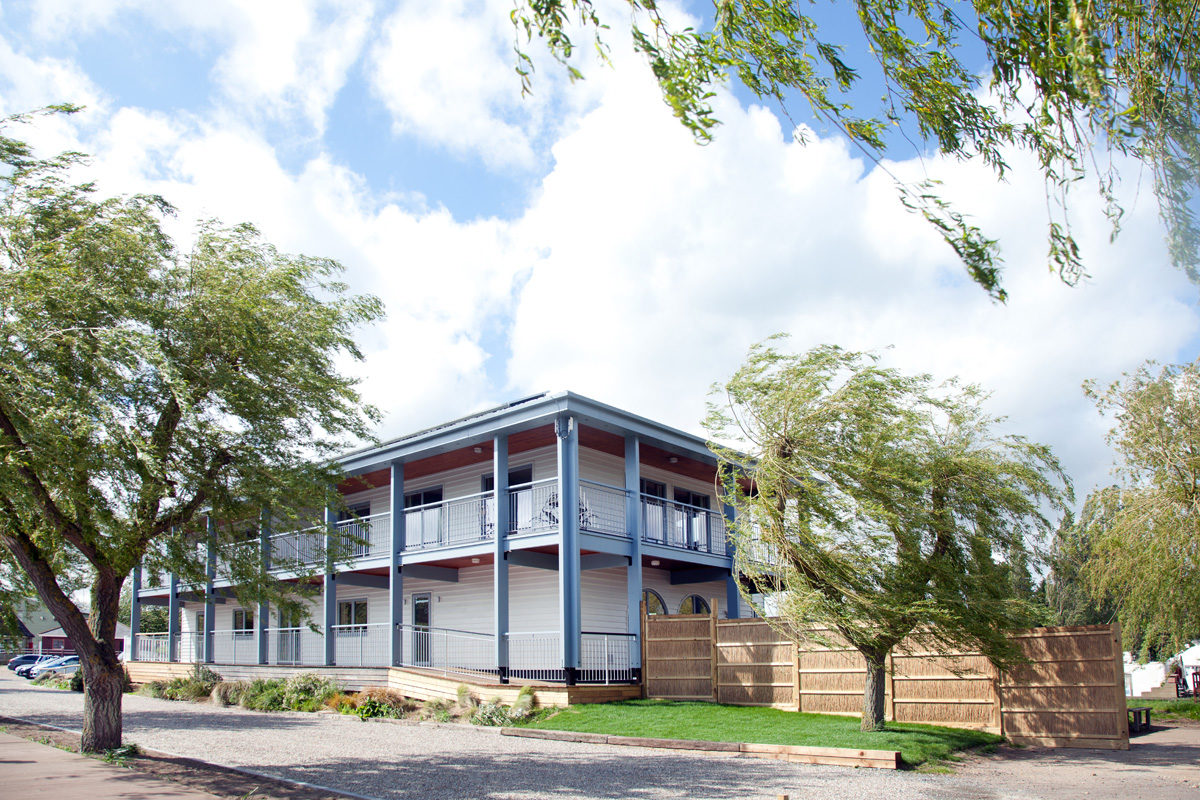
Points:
x=533, y=508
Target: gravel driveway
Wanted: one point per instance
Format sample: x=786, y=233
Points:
x=430, y=762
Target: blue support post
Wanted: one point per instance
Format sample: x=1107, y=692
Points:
x=210, y=574
x=633, y=524
x=500, y=562
x=567, y=431
x=329, y=595
x=264, y=610
x=173, y=618
x=395, y=577
x=733, y=597
x=135, y=612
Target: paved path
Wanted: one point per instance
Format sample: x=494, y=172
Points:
x=422, y=762
x=29, y=770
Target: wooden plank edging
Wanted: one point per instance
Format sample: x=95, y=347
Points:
x=834, y=756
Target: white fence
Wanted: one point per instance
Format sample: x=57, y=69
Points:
x=151, y=647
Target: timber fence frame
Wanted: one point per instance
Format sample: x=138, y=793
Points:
x=1070, y=692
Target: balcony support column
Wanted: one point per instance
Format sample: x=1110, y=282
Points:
x=173, y=618
x=633, y=524
x=733, y=597
x=395, y=577
x=566, y=429
x=135, y=612
x=502, y=505
x=329, y=595
x=264, y=610
x=210, y=575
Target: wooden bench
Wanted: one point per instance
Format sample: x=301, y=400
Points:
x=1139, y=719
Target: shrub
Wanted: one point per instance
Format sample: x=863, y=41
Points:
x=308, y=691
x=75, y=681
x=465, y=700
x=264, y=694
x=154, y=689
x=45, y=677
x=490, y=713
x=522, y=708
x=228, y=693
x=391, y=697
x=343, y=703
x=371, y=708
x=437, y=709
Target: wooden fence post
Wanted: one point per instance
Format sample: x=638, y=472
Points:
x=997, y=700
x=645, y=650
x=796, y=675
x=1120, y=704
x=890, y=709
x=713, y=648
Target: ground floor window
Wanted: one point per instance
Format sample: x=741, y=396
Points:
x=694, y=604
x=654, y=602
x=243, y=622
x=352, y=612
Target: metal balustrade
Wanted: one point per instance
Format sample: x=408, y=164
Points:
x=533, y=507
x=458, y=521
x=602, y=508
x=362, y=645
x=448, y=651
x=366, y=537
x=295, y=646
x=535, y=656
x=680, y=525
x=298, y=548
x=606, y=657
x=234, y=646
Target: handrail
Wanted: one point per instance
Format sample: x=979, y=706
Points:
x=440, y=503
x=676, y=503
x=621, y=489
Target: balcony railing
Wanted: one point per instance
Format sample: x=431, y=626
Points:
x=602, y=508
x=458, y=521
x=680, y=525
x=362, y=645
x=533, y=507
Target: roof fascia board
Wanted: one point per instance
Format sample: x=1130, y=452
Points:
x=647, y=430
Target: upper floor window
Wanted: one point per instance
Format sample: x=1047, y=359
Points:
x=654, y=488
x=688, y=497
x=516, y=477
x=424, y=497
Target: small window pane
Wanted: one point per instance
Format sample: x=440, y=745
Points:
x=694, y=604
x=654, y=603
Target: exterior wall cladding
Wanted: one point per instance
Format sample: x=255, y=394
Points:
x=536, y=576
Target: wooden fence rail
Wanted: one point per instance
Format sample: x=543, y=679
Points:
x=1070, y=693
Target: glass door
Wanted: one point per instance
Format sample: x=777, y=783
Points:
x=420, y=625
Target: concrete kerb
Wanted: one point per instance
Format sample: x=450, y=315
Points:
x=832, y=756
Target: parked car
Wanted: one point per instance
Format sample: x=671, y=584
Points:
x=56, y=665
x=23, y=669
x=27, y=670
x=22, y=660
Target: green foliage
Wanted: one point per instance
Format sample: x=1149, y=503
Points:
x=121, y=755
x=663, y=719
x=75, y=681
x=371, y=708
x=1067, y=596
x=1079, y=86
x=1144, y=532
x=145, y=385
x=228, y=693
x=465, y=699
x=264, y=694
x=155, y=689
x=880, y=506
x=308, y=691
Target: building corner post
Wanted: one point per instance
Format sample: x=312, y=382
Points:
x=264, y=610
x=329, y=587
x=633, y=573
x=135, y=611
x=395, y=576
x=173, y=618
x=210, y=575
x=732, y=596
x=500, y=501
x=566, y=429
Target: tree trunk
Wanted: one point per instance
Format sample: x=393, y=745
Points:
x=873, y=693
x=103, y=682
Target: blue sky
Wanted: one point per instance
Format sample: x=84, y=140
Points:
x=577, y=238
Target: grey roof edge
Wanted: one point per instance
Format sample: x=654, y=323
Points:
x=521, y=413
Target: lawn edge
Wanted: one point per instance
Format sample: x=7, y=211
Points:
x=830, y=756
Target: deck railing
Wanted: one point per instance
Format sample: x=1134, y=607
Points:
x=535, y=656
x=606, y=657
x=232, y=646
x=362, y=645
x=533, y=507
x=681, y=525
x=602, y=508
x=366, y=537
x=448, y=651
x=296, y=549
x=458, y=521
x=151, y=647
x=295, y=646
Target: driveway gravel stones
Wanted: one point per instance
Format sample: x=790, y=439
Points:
x=412, y=761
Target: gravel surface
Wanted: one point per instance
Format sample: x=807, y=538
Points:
x=432, y=762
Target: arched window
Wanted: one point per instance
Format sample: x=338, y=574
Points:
x=654, y=602
x=694, y=604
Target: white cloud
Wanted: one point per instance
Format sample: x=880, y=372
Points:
x=279, y=57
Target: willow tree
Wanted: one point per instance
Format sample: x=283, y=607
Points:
x=142, y=386
x=1089, y=89
x=878, y=509
x=1144, y=531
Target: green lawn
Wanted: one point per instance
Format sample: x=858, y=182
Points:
x=1169, y=709
x=663, y=719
